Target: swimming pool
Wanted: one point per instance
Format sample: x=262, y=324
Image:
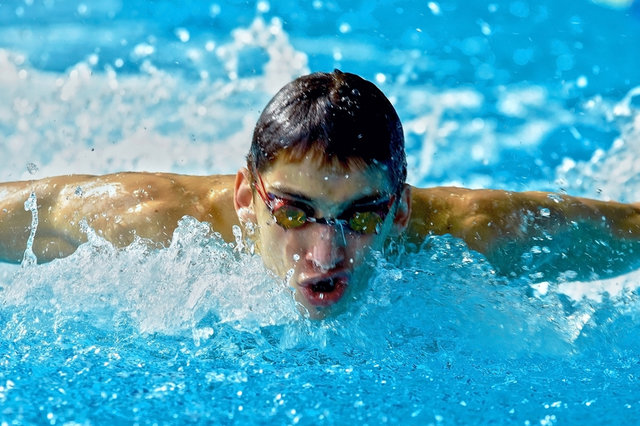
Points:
x=509, y=94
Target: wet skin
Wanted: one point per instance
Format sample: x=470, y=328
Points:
x=325, y=263
x=121, y=206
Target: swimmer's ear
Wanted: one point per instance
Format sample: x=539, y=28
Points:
x=403, y=211
x=243, y=197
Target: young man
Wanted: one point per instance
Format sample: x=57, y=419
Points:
x=323, y=187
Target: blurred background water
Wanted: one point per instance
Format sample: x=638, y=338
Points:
x=515, y=95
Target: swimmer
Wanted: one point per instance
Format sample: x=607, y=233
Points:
x=323, y=187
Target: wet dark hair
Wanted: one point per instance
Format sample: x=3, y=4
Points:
x=335, y=116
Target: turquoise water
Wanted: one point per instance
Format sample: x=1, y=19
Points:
x=510, y=94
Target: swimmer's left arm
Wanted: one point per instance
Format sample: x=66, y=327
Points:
x=486, y=219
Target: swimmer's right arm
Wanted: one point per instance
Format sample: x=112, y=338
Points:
x=118, y=207
x=53, y=239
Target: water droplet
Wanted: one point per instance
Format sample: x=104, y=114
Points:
x=182, y=34
x=555, y=197
x=582, y=81
x=31, y=204
x=263, y=6
x=434, y=8
x=214, y=10
x=344, y=28
x=32, y=168
x=485, y=28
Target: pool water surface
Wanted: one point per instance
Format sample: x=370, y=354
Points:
x=513, y=95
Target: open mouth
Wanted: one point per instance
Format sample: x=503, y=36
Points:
x=324, y=291
x=324, y=286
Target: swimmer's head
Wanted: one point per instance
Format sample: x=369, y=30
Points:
x=332, y=117
x=324, y=186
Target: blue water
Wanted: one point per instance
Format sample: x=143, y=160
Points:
x=509, y=94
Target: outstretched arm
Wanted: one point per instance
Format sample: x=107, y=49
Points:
x=118, y=207
x=502, y=225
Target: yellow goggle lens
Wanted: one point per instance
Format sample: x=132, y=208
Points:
x=365, y=222
x=290, y=217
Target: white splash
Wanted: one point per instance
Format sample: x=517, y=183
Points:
x=31, y=205
x=97, y=120
x=613, y=174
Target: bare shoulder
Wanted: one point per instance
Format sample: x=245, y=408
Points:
x=483, y=216
x=486, y=218
x=117, y=206
x=438, y=210
x=153, y=203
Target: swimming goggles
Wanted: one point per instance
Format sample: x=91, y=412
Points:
x=291, y=214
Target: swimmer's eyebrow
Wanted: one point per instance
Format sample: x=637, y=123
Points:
x=362, y=201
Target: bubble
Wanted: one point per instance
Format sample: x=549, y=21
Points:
x=582, y=81
x=143, y=49
x=485, y=28
x=182, y=34
x=344, y=28
x=263, y=6
x=434, y=8
x=214, y=10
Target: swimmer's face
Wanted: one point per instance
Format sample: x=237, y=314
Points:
x=326, y=261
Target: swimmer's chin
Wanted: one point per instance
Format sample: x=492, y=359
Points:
x=315, y=313
x=321, y=313
x=318, y=313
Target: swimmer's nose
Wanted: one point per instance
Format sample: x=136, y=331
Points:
x=326, y=247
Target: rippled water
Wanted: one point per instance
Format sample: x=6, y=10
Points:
x=510, y=94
